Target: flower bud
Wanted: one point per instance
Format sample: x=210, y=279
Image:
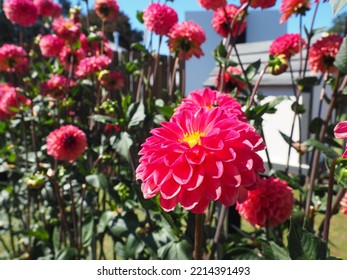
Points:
x=278, y=64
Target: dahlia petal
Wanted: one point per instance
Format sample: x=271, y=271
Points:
x=231, y=176
x=161, y=175
x=201, y=207
x=196, y=155
x=168, y=204
x=149, y=189
x=212, y=189
x=189, y=199
x=213, y=168
x=229, y=196
x=340, y=130
x=170, y=189
x=182, y=171
x=243, y=194
x=196, y=179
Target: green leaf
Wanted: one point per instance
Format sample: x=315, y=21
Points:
x=176, y=250
x=220, y=55
x=308, y=82
x=304, y=245
x=271, y=251
x=298, y=108
x=39, y=233
x=337, y=5
x=341, y=57
x=139, y=16
x=102, y=118
x=327, y=151
x=252, y=70
x=138, y=47
x=66, y=254
x=98, y=181
x=316, y=125
x=136, y=113
x=122, y=146
x=286, y=138
x=105, y=218
x=133, y=246
x=88, y=233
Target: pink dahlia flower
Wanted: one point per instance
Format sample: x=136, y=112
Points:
x=51, y=45
x=343, y=205
x=200, y=157
x=209, y=99
x=56, y=86
x=106, y=9
x=322, y=53
x=21, y=12
x=66, y=54
x=47, y=8
x=340, y=132
x=92, y=65
x=232, y=80
x=296, y=7
x=263, y=4
x=66, y=143
x=94, y=47
x=112, y=80
x=67, y=29
x=186, y=39
x=13, y=58
x=159, y=18
x=223, y=18
x=212, y=4
x=11, y=100
x=287, y=44
x=269, y=205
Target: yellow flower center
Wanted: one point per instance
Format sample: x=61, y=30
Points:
x=193, y=139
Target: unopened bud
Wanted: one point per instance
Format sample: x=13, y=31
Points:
x=278, y=64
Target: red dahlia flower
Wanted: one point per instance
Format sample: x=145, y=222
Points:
x=322, y=54
x=10, y=101
x=51, y=45
x=13, y=58
x=106, y=9
x=159, y=18
x=232, y=80
x=67, y=29
x=296, y=7
x=287, y=44
x=209, y=99
x=269, y=205
x=340, y=132
x=186, y=39
x=66, y=143
x=212, y=4
x=263, y=4
x=200, y=157
x=223, y=18
x=48, y=8
x=91, y=65
x=21, y=12
x=66, y=54
x=56, y=87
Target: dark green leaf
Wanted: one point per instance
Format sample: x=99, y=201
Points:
x=327, y=151
x=341, y=57
x=286, y=138
x=138, y=47
x=298, y=108
x=104, y=220
x=136, y=114
x=122, y=146
x=39, y=233
x=102, y=118
x=88, y=233
x=133, y=246
x=98, y=181
x=308, y=82
x=66, y=254
x=252, y=70
x=176, y=250
x=337, y=5
x=139, y=16
x=315, y=125
x=271, y=251
x=304, y=245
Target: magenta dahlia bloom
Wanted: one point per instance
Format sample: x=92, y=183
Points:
x=269, y=205
x=322, y=53
x=13, y=58
x=287, y=44
x=106, y=9
x=66, y=54
x=67, y=29
x=48, y=8
x=94, y=47
x=112, y=80
x=263, y=4
x=340, y=132
x=10, y=101
x=66, y=143
x=159, y=18
x=21, y=12
x=212, y=4
x=343, y=205
x=293, y=7
x=56, y=86
x=92, y=65
x=200, y=157
x=222, y=19
x=232, y=80
x=51, y=45
x=209, y=99
x=186, y=39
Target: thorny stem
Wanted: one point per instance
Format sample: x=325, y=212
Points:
x=198, y=236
